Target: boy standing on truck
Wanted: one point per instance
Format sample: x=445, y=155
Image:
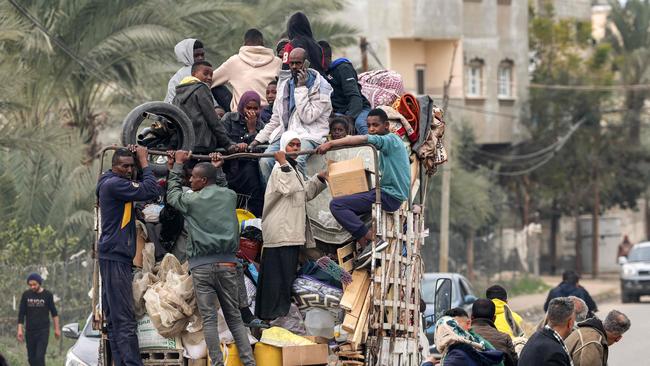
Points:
x=194, y=98
x=395, y=181
x=209, y=211
x=117, y=192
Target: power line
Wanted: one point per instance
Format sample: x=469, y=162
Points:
x=620, y=87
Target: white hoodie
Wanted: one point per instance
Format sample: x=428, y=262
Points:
x=184, y=51
x=253, y=68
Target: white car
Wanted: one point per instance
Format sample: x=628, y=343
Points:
x=635, y=273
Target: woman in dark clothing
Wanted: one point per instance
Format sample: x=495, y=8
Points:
x=243, y=174
x=300, y=35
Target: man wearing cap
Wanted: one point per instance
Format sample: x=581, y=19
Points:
x=35, y=304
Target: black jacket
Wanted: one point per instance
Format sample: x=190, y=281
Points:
x=235, y=126
x=300, y=36
x=346, y=97
x=543, y=349
x=195, y=99
x=565, y=289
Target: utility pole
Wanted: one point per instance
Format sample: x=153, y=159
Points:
x=595, y=218
x=363, y=44
x=443, y=265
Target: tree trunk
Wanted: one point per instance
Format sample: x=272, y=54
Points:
x=634, y=101
x=552, y=243
x=578, y=241
x=470, y=255
x=595, y=217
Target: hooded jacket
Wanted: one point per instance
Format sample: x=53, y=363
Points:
x=253, y=68
x=501, y=321
x=501, y=341
x=587, y=345
x=300, y=36
x=184, y=51
x=210, y=217
x=195, y=99
x=310, y=117
x=346, y=95
x=116, y=204
x=565, y=289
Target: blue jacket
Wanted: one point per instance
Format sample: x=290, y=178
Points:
x=565, y=289
x=465, y=355
x=116, y=198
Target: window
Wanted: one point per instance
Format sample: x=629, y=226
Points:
x=419, y=79
x=475, y=78
x=505, y=80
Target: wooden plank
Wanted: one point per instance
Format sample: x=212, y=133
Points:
x=357, y=338
x=346, y=257
x=354, y=291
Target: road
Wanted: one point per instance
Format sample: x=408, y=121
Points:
x=634, y=348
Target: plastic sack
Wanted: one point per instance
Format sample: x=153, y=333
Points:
x=194, y=346
x=148, y=258
x=141, y=282
x=320, y=323
x=280, y=337
x=151, y=212
x=292, y=321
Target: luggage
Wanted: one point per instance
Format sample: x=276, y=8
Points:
x=311, y=293
x=381, y=87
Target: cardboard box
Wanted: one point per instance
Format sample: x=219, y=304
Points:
x=347, y=177
x=318, y=339
x=313, y=354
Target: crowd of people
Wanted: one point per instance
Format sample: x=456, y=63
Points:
x=292, y=99
x=569, y=334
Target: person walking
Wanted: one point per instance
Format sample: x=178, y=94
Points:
x=546, y=346
x=36, y=306
x=589, y=344
x=624, y=248
x=209, y=211
x=570, y=286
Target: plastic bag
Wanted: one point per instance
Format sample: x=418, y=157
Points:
x=292, y=321
x=319, y=322
x=141, y=282
x=194, y=346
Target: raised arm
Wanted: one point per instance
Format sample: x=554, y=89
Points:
x=346, y=141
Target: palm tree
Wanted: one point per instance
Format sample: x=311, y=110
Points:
x=630, y=39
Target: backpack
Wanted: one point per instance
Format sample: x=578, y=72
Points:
x=381, y=87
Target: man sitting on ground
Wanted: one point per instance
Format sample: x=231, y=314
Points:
x=194, y=98
x=302, y=105
x=346, y=97
x=253, y=68
x=209, y=210
x=507, y=321
x=395, y=182
x=483, y=315
x=589, y=344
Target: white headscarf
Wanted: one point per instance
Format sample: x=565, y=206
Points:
x=286, y=138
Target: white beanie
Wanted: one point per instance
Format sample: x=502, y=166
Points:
x=286, y=138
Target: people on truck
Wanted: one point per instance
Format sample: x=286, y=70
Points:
x=36, y=306
x=546, y=346
x=188, y=51
x=395, y=182
x=194, y=98
x=589, y=344
x=483, y=315
x=339, y=127
x=570, y=286
x=209, y=210
x=302, y=105
x=253, y=68
x=507, y=321
x=271, y=92
x=285, y=229
x=347, y=98
x=300, y=36
x=243, y=174
x=117, y=191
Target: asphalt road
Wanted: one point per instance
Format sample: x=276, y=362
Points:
x=634, y=348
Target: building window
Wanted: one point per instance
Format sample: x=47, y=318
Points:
x=505, y=80
x=419, y=79
x=475, y=78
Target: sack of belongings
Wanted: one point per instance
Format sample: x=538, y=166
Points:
x=310, y=293
x=381, y=87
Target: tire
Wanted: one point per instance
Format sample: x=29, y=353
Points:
x=175, y=115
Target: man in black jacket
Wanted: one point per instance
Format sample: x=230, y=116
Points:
x=346, y=96
x=546, y=346
x=483, y=315
x=570, y=287
x=117, y=191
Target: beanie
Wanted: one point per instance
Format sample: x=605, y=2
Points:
x=35, y=277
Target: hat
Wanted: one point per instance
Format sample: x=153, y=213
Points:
x=496, y=292
x=286, y=138
x=35, y=277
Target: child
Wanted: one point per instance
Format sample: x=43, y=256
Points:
x=285, y=229
x=194, y=98
x=339, y=127
x=395, y=181
x=271, y=92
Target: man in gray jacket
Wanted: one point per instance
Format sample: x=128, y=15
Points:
x=302, y=105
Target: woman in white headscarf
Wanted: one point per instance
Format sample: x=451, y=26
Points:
x=285, y=228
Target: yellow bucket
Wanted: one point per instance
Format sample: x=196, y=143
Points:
x=243, y=215
x=267, y=355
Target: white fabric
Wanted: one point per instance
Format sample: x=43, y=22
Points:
x=286, y=138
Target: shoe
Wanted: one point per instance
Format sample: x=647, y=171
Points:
x=365, y=253
x=380, y=245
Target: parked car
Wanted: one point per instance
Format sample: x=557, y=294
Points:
x=85, y=352
x=635, y=273
x=462, y=295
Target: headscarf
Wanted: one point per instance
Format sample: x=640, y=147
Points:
x=245, y=98
x=184, y=51
x=35, y=277
x=286, y=138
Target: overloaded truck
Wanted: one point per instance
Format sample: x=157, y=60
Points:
x=374, y=319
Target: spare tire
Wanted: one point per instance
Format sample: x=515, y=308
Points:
x=171, y=113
